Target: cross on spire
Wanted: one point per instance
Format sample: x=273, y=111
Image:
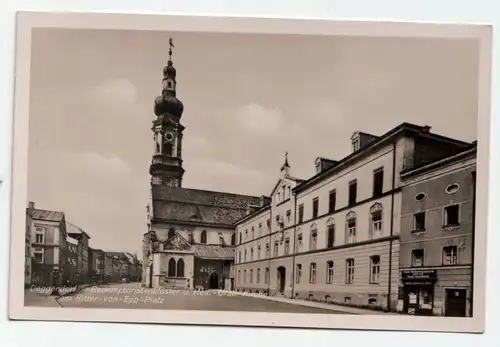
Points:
x=285, y=165
x=171, y=45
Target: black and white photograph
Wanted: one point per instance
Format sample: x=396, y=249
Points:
x=246, y=170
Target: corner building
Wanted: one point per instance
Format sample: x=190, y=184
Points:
x=190, y=239
x=437, y=237
x=335, y=236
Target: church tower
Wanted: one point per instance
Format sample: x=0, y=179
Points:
x=166, y=166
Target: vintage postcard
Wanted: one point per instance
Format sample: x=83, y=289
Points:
x=246, y=171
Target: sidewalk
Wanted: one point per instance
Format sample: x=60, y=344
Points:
x=32, y=298
x=322, y=305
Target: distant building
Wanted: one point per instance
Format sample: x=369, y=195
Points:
x=108, y=268
x=83, y=252
x=99, y=264
x=48, y=244
x=190, y=238
x=72, y=260
x=27, y=250
x=437, y=236
x=335, y=236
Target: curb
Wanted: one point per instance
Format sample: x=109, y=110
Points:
x=299, y=302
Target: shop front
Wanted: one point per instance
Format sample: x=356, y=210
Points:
x=418, y=291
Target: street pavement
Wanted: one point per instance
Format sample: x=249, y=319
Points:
x=131, y=295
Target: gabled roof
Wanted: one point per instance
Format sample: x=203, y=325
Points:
x=73, y=229
x=45, y=215
x=177, y=243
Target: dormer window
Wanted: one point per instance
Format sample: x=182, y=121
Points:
x=355, y=142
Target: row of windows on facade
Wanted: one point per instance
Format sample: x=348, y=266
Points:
x=350, y=230
x=374, y=277
x=451, y=217
x=378, y=184
x=203, y=237
x=449, y=256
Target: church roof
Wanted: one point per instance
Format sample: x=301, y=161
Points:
x=199, y=206
x=213, y=252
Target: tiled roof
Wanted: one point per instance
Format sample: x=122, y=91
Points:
x=213, y=252
x=52, y=216
x=193, y=205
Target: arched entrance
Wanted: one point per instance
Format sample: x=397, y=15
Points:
x=213, y=280
x=281, y=279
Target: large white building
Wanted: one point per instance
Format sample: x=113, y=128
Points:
x=334, y=236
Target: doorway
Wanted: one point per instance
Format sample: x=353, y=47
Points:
x=281, y=279
x=214, y=280
x=456, y=303
x=419, y=300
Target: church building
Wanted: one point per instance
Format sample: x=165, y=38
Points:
x=190, y=239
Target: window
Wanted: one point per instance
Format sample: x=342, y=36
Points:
x=203, y=236
x=275, y=251
x=260, y=229
x=244, y=276
x=289, y=191
x=353, y=192
x=450, y=255
x=180, y=268
x=253, y=233
x=312, y=273
x=258, y=276
x=258, y=252
x=232, y=239
x=241, y=238
x=288, y=215
x=378, y=182
x=376, y=223
x=168, y=149
x=287, y=246
x=221, y=240
x=299, y=242
x=267, y=250
x=268, y=225
x=278, y=197
x=171, y=267
x=245, y=258
x=251, y=275
x=301, y=213
x=417, y=258
x=266, y=275
x=420, y=197
x=246, y=234
x=239, y=276
x=349, y=278
x=251, y=254
x=451, y=215
x=355, y=145
x=332, y=199
x=351, y=227
x=331, y=236
x=314, y=240
x=419, y=221
x=38, y=255
x=239, y=257
x=298, y=273
x=375, y=269
x=39, y=235
x=329, y=272
x=284, y=192
x=315, y=207
x=452, y=188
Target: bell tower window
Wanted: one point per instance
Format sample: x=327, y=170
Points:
x=168, y=149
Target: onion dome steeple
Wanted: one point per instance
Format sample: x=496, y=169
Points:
x=167, y=105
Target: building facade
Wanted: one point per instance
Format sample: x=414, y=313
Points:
x=27, y=251
x=99, y=265
x=190, y=234
x=108, y=268
x=72, y=260
x=437, y=237
x=83, y=238
x=48, y=246
x=335, y=236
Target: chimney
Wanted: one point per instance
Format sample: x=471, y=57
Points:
x=426, y=129
x=31, y=205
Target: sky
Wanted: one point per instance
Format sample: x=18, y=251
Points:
x=247, y=100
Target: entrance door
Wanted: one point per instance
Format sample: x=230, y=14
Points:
x=419, y=300
x=456, y=302
x=281, y=279
x=213, y=280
